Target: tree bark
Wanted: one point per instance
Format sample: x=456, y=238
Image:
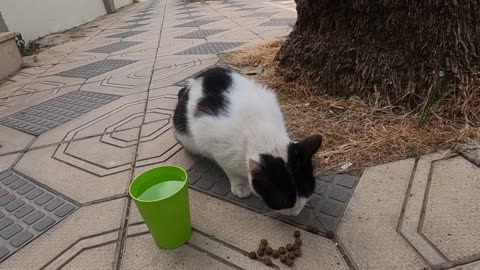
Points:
x=398, y=51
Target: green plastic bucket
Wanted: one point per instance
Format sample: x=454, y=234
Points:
x=161, y=196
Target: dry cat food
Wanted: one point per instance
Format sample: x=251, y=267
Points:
x=330, y=234
x=298, y=242
x=287, y=254
x=313, y=229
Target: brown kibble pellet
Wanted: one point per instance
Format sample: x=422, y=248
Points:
x=267, y=261
x=260, y=252
x=297, y=252
x=262, y=246
x=252, y=255
x=264, y=242
x=282, y=250
x=298, y=242
x=297, y=234
x=283, y=258
x=275, y=254
x=289, y=262
x=330, y=234
x=291, y=256
x=289, y=247
x=268, y=251
x=312, y=229
x=296, y=246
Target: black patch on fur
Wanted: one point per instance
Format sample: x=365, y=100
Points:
x=301, y=168
x=216, y=82
x=180, y=115
x=274, y=183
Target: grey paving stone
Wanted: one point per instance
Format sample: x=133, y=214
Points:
x=10, y=179
x=260, y=14
x=3, y=192
x=64, y=210
x=138, y=20
x=21, y=238
x=196, y=23
x=4, y=175
x=324, y=209
x=15, y=205
x=211, y=48
x=131, y=26
x=43, y=199
x=280, y=22
x=25, y=189
x=50, y=114
x=18, y=184
x=54, y=204
x=112, y=64
x=26, y=210
x=5, y=222
x=33, y=217
x=202, y=33
x=7, y=199
x=190, y=18
x=43, y=224
x=102, y=66
x=126, y=34
x=347, y=181
x=3, y=252
x=143, y=14
x=11, y=231
x=34, y=194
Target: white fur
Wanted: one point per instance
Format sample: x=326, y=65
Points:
x=255, y=126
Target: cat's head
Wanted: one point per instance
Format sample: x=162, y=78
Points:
x=285, y=185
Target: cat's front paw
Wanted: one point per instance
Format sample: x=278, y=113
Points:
x=241, y=191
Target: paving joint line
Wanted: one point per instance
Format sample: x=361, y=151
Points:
x=76, y=242
x=238, y=24
x=213, y=256
x=118, y=256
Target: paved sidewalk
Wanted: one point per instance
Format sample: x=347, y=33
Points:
x=89, y=115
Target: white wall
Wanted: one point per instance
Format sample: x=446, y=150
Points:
x=119, y=3
x=36, y=18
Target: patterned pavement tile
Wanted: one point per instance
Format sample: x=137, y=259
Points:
x=211, y=48
x=126, y=34
x=203, y=33
x=114, y=47
x=131, y=26
x=95, y=69
x=137, y=20
x=55, y=112
x=195, y=23
x=261, y=14
x=27, y=211
x=324, y=210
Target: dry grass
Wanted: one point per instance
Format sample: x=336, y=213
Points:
x=355, y=132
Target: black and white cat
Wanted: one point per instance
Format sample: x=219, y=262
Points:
x=226, y=117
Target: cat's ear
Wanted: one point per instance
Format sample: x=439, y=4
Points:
x=254, y=167
x=311, y=144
